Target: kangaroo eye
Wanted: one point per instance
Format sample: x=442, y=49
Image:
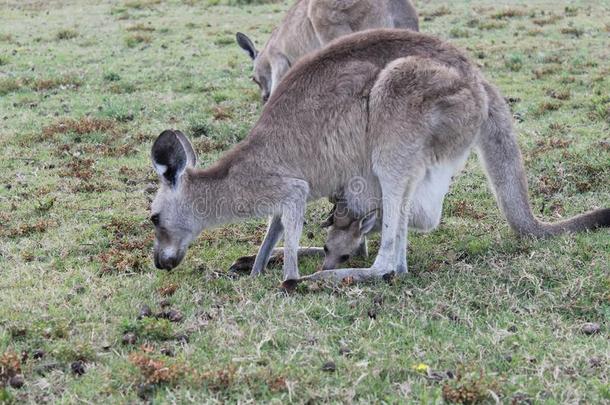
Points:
x=155, y=219
x=344, y=258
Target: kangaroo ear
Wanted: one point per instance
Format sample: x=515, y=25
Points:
x=188, y=148
x=330, y=221
x=246, y=44
x=171, y=154
x=367, y=223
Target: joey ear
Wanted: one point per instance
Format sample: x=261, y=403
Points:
x=171, y=154
x=330, y=221
x=367, y=223
x=246, y=44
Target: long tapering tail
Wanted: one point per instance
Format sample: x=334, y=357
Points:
x=500, y=154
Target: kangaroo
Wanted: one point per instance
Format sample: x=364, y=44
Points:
x=310, y=24
x=354, y=216
x=385, y=104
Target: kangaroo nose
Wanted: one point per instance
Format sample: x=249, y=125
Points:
x=166, y=262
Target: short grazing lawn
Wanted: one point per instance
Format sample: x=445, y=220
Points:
x=86, y=86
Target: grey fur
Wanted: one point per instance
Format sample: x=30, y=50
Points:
x=386, y=105
x=310, y=24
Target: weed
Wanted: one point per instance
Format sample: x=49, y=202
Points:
x=439, y=12
x=141, y=27
x=136, y=39
x=508, y=13
x=10, y=85
x=514, y=62
x=457, y=32
x=574, y=31
x=551, y=19
x=66, y=34
x=141, y=4
x=150, y=328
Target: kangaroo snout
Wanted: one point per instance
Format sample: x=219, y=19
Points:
x=167, y=260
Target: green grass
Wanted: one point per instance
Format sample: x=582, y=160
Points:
x=84, y=89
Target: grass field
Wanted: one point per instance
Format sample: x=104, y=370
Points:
x=483, y=316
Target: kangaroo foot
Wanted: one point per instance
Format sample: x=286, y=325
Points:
x=350, y=275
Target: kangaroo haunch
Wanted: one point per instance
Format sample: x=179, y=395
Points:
x=395, y=107
x=311, y=24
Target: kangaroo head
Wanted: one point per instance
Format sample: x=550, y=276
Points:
x=262, y=67
x=346, y=234
x=172, y=211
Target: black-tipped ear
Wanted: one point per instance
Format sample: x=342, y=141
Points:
x=367, y=223
x=171, y=154
x=246, y=44
x=188, y=148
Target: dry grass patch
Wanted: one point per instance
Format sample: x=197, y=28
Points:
x=136, y=39
x=508, y=13
x=49, y=84
x=82, y=126
x=28, y=229
x=439, y=12
x=574, y=31
x=141, y=27
x=548, y=20
x=129, y=248
x=9, y=85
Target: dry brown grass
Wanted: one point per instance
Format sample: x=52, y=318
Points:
x=80, y=126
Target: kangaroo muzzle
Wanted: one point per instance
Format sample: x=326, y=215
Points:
x=168, y=259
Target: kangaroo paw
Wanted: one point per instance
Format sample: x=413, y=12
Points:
x=353, y=275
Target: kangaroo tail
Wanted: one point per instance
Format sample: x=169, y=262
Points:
x=497, y=147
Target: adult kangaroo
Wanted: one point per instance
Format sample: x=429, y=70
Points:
x=384, y=104
x=310, y=24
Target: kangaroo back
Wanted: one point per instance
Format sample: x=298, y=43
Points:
x=501, y=157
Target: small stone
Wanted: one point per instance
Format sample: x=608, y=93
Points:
x=78, y=367
x=79, y=288
x=345, y=351
x=595, y=362
x=329, y=367
x=164, y=303
x=174, y=315
x=166, y=351
x=378, y=300
x=591, y=328
x=106, y=346
x=372, y=313
x=145, y=391
x=145, y=312
x=38, y=354
x=182, y=338
x=512, y=329
x=129, y=338
x=17, y=381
